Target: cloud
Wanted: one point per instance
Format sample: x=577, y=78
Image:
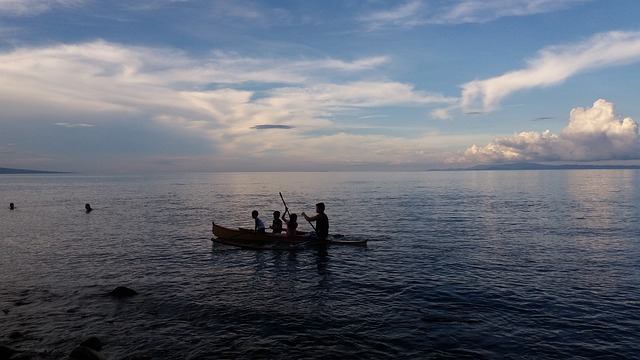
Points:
x=593, y=134
x=363, y=94
x=373, y=116
x=267, y=127
x=417, y=12
x=212, y=103
x=231, y=68
x=482, y=11
x=110, y=77
x=34, y=7
x=405, y=15
x=68, y=125
x=552, y=66
x=236, y=9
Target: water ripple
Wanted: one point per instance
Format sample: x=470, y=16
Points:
x=459, y=266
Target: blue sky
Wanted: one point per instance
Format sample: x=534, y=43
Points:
x=189, y=85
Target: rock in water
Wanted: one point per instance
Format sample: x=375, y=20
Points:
x=92, y=343
x=16, y=335
x=85, y=353
x=123, y=292
x=6, y=352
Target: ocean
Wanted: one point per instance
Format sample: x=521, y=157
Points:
x=459, y=265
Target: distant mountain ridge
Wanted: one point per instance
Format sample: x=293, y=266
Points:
x=536, y=166
x=26, y=171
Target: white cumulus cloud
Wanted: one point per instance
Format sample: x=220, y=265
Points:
x=593, y=134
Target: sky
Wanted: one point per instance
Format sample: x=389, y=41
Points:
x=105, y=86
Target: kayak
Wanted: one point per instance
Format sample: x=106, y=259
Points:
x=265, y=246
x=249, y=237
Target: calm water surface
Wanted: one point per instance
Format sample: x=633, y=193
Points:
x=482, y=265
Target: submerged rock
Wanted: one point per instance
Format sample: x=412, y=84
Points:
x=139, y=357
x=6, y=352
x=92, y=343
x=85, y=353
x=16, y=335
x=88, y=350
x=123, y=292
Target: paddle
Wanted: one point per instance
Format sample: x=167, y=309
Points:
x=287, y=210
x=310, y=223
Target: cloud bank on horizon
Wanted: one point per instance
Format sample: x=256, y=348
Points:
x=239, y=85
x=592, y=134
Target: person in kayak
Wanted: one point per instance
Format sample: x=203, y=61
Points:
x=276, y=226
x=259, y=225
x=322, y=221
x=292, y=223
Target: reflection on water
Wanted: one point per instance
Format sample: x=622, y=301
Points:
x=322, y=259
x=600, y=200
x=504, y=264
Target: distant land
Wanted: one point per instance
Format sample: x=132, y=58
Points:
x=535, y=166
x=25, y=171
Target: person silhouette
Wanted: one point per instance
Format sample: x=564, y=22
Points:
x=276, y=226
x=322, y=221
x=88, y=208
x=259, y=225
x=11, y=206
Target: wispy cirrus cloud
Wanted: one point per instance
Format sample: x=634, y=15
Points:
x=34, y=7
x=409, y=14
x=419, y=12
x=482, y=11
x=69, y=125
x=271, y=126
x=552, y=66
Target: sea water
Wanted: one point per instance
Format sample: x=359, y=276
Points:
x=477, y=264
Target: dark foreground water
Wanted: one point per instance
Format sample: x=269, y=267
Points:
x=478, y=265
